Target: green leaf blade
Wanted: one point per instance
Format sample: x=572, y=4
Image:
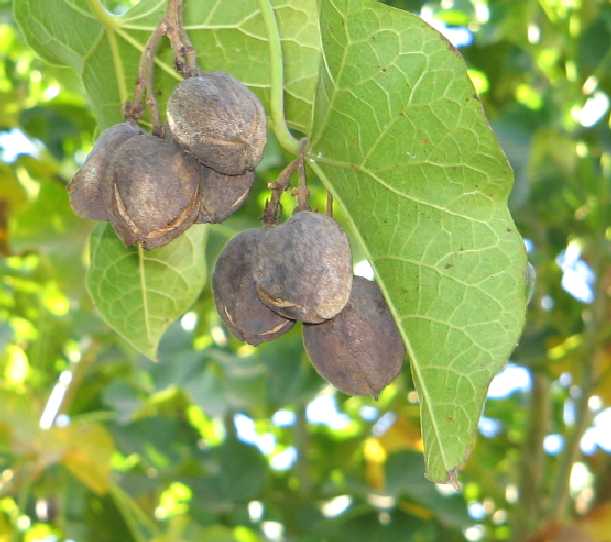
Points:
x=229, y=36
x=60, y=32
x=140, y=293
x=402, y=142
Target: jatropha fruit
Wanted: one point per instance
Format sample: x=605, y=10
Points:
x=152, y=188
x=235, y=294
x=218, y=120
x=303, y=268
x=359, y=351
x=222, y=195
x=155, y=191
x=90, y=191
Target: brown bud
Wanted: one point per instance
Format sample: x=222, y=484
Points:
x=236, y=297
x=222, y=195
x=155, y=191
x=220, y=121
x=90, y=195
x=359, y=351
x=304, y=268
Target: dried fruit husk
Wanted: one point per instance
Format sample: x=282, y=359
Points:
x=219, y=121
x=359, y=351
x=222, y=195
x=155, y=191
x=236, y=297
x=90, y=194
x=303, y=268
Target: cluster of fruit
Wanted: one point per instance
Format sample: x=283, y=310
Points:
x=153, y=188
x=267, y=279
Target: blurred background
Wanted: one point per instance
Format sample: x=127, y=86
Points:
x=222, y=442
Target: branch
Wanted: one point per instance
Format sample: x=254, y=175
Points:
x=171, y=27
x=272, y=207
x=302, y=192
x=284, y=136
x=146, y=81
x=186, y=61
x=329, y=204
x=595, y=319
x=533, y=458
x=561, y=491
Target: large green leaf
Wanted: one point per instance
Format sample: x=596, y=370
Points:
x=402, y=141
x=230, y=36
x=140, y=293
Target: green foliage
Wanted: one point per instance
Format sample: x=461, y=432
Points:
x=443, y=245
x=220, y=441
x=139, y=294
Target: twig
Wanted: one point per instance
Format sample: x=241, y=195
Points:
x=171, y=27
x=595, y=318
x=146, y=81
x=329, y=205
x=533, y=458
x=302, y=192
x=560, y=494
x=186, y=62
x=272, y=207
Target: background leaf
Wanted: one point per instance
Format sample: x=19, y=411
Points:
x=140, y=295
x=401, y=140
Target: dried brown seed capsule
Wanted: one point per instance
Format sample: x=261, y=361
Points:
x=155, y=191
x=90, y=195
x=218, y=120
x=359, y=351
x=304, y=268
x=236, y=297
x=222, y=195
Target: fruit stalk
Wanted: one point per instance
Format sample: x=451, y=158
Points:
x=272, y=208
x=171, y=27
x=145, y=84
x=303, y=194
x=186, y=56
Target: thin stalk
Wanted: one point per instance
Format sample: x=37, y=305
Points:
x=284, y=136
x=101, y=14
x=186, y=62
x=171, y=27
x=145, y=84
x=561, y=492
x=303, y=194
x=595, y=318
x=533, y=458
x=272, y=207
x=329, y=204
